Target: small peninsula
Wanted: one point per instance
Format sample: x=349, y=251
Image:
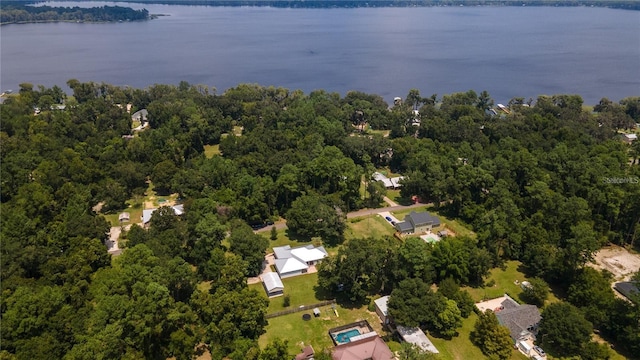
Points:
x=18, y=13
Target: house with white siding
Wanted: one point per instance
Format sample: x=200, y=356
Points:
x=297, y=261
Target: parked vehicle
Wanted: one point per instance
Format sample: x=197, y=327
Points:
x=539, y=350
x=388, y=218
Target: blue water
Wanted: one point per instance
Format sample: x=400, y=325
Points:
x=345, y=337
x=508, y=51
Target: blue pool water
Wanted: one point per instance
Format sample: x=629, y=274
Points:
x=345, y=337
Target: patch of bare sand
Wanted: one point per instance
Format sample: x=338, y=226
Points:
x=619, y=261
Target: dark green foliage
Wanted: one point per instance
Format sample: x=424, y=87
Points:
x=563, y=330
x=413, y=303
x=249, y=246
x=362, y=267
x=536, y=292
x=19, y=13
x=591, y=292
x=538, y=186
x=275, y=350
x=312, y=215
x=492, y=338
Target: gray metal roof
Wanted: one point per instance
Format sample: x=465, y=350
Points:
x=272, y=281
x=282, y=252
x=422, y=218
x=626, y=288
x=404, y=226
x=381, y=303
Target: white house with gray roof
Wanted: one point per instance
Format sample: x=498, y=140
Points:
x=296, y=261
x=389, y=183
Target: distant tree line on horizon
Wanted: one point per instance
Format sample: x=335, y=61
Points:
x=619, y=4
x=20, y=13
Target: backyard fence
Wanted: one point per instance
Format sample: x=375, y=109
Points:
x=300, y=308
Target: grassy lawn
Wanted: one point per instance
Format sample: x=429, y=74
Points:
x=383, y=133
x=460, y=347
x=210, y=150
x=368, y=226
x=298, y=289
x=504, y=283
x=136, y=204
x=285, y=237
x=134, y=208
x=315, y=331
x=395, y=196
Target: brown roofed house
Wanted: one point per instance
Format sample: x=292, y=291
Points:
x=370, y=348
x=306, y=354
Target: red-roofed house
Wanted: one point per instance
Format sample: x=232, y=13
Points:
x=370, y=348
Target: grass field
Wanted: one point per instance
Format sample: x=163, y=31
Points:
x=285, y=237
x=395, y=196
x=504, y=283
x=298, y=289
x=368, y=226
x=461, y=348
x=210, y=150
x=302, y=291
x=134, y=208
x=315, y=331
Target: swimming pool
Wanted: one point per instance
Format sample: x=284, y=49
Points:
x=345, y=337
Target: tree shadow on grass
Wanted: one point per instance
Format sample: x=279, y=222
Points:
x=292, y=235
x=341, y=298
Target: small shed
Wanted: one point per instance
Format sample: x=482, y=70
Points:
x=381, y=309
x=124, y=217
x=272, y=284
x=416, y=337
x=316, y=312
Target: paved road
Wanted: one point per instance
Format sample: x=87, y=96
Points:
x=282, y=224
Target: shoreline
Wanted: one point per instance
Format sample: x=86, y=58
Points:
x=313, y=4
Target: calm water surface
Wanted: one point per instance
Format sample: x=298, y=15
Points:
x=509, y=51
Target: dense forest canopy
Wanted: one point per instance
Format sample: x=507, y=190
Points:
x=18, y=13
x=547, y=184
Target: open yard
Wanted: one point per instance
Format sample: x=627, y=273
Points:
x=210, y=150
x=461, y=348
x=504, y=282
x=315, y=331
x=298, y=289
x=368, y=226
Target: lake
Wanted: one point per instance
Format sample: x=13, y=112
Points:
x=508, y=51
